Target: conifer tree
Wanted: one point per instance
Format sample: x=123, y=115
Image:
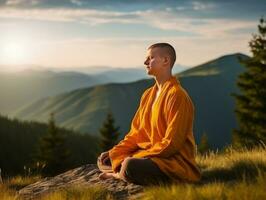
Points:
x=251, y=103
x=109, y=133
x=52, y=152
x=204, y=146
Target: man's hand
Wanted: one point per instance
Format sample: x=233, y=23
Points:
x=104, y=157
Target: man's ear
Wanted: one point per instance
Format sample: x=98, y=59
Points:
x=166, y=60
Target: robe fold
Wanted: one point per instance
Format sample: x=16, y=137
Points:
x=163, y=131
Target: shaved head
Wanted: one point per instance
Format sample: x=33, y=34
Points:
x=167, y=49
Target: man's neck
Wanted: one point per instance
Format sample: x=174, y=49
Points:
x=160, y=80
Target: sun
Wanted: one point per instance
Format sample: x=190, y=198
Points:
x=14, y=53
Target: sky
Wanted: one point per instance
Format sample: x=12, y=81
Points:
x=117, y=33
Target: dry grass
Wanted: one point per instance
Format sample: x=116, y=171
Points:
x=241, y=190
x=8, y=190
x=233, y=174
x=79, y=193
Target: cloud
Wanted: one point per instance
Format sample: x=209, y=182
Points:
x=200, y=27
x=208, y=29
x=21, y=2
x=77, y=2
x=167, y=19
x=89, y=16
x=196, y=5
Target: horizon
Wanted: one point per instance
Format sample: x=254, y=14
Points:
x=83, y=69
x=116, y=34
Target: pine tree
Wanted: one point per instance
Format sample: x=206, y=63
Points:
x=204, y=146
x=251, y=103
x=52, y=152
x=109, y=133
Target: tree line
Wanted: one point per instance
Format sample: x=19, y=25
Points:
x=21, y=146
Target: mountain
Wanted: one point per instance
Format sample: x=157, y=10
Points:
x=119, y=75
x=85, y=109
x=18, y=89
x=208, y=84
x=30, y=84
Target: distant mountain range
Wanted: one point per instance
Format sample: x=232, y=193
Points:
x=208, y=84
x=136, y=72
x=18, y=89
x=30, y=84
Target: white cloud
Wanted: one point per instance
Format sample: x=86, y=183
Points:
x=76, y=2
x=14, y=2
x=201, y=6
x=20, y=2
x=167, y=19
x=180, y=8
x=89, y=16
x=212, y=37
x=209, y=28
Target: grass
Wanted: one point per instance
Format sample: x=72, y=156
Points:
x=8, y=190
x=11, y=185
x=18, y=182
x=79, y=193
x=216, y=190
x=232, y=174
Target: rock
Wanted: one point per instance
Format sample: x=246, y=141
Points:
x=87, y=175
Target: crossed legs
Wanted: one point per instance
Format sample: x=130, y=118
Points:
x=142, y=171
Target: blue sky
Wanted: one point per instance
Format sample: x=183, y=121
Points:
x=71, y=33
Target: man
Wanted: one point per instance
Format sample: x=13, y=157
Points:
x=160, y=145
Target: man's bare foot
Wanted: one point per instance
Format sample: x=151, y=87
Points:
x=108, y=175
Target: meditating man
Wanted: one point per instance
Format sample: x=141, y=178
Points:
x=160, y=146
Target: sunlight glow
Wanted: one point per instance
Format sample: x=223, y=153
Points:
x=14, y=53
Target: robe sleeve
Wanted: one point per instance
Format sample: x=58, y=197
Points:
x=128, y=145
x=179, y=117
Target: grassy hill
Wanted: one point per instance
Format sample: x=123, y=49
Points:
x=18, y=89
x=85, y=109
x=208, y=84
x=24, y=87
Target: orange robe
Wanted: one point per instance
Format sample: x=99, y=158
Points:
x=162, y=131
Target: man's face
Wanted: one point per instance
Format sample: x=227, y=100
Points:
x=154, y=61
